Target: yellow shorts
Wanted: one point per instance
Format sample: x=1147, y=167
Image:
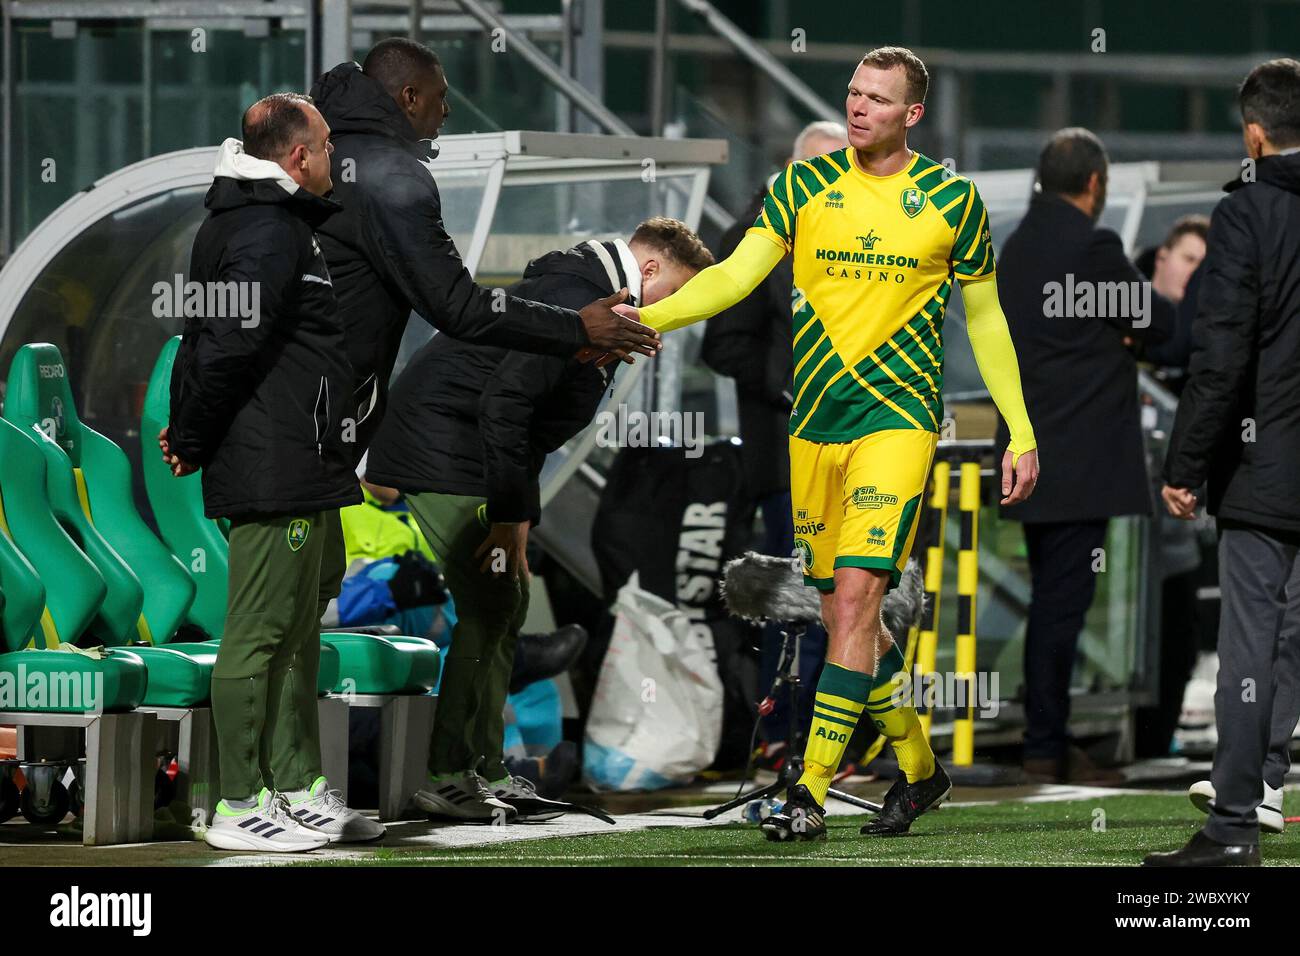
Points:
x=856, y=503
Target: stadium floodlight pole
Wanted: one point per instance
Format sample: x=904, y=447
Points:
x=765, y=61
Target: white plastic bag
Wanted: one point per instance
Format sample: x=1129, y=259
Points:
x=656, y=716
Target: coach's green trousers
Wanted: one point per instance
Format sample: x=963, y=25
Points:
x=469, y=721
x=283, y=571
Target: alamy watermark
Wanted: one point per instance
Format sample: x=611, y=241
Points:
x=624, y=428
x=78, y=908
x=38, y=689
x=1098, y=300
x=179, y=299
x=979, y=692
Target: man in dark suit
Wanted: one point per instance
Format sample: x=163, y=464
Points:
x=1237, y=432
x=1076, y=307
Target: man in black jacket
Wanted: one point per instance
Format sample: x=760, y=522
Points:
x=258, y=399
x=469, y=432
x=1237, y=431
x=389, y=252
x=1075, y=304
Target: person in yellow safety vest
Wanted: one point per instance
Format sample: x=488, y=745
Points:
x=392, y=574
x=374, y=530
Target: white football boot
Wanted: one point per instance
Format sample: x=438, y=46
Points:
x=1269, y=812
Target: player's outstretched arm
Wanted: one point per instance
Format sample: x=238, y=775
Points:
x=990, y=340
x=718, y=287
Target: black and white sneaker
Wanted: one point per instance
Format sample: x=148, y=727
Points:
x=906, y=801
x=464, y=797
x=519, y=792
x=268, y=827
x=802, y=818
x=1269, y=812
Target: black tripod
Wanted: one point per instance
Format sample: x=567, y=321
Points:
x=788, y=674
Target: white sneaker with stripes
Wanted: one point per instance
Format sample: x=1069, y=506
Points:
x=321, y=809
x=463, y=797
x=267, y=827
x=1269, y=812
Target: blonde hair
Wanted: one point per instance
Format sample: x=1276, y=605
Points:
x=888, y=57
x=674, y=239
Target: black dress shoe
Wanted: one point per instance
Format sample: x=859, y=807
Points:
x=539, y=656
x=1202, y=851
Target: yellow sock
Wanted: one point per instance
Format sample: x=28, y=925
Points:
x=841, y=694
x=891, y=709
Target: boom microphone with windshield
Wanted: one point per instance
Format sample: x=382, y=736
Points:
x=763, y=589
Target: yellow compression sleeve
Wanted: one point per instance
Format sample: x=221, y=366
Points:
x=716, y=288
x=990, y=340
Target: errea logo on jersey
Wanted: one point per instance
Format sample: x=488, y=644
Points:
x=868, y=499
x=835, y=199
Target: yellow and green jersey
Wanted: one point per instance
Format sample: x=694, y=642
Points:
x=874, y=263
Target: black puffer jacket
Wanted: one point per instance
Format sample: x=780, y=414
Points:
x=1238, y=421
x=470, y=420
x=390, y=254
x=257, y=401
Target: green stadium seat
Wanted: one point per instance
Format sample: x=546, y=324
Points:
x=89, y=491
x=383, y=665
x=177, y=503
x=326, y=679
x=52, y=590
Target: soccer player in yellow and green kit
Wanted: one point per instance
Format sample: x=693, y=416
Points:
x=880, y=234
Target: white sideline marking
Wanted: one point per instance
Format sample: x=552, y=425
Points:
x=774, y=860
x=453, y=836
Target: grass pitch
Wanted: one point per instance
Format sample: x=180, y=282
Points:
x=1107, y=831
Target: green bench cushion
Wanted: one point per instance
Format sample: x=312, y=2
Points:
x=117, y=682
x=326, y=679
x=370, y=664
x=176, y=679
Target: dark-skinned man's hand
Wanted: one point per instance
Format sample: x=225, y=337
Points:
x=511, y=538
x=617, y=334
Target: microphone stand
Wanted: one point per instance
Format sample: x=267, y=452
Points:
x=788, y=674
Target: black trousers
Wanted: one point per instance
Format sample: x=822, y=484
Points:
x=1061, y=560
x=1257, y=700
